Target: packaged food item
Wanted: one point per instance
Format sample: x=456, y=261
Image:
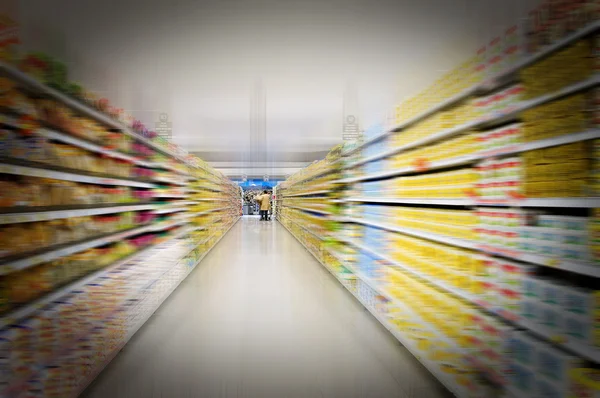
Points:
x=585, y=383
x=556, y=365
x=522, y=378
x=523, y=349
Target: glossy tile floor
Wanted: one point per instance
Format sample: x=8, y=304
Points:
x=261, y=318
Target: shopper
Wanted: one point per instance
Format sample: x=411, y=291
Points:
x=264, y=201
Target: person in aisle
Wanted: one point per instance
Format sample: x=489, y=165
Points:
x=264, y=201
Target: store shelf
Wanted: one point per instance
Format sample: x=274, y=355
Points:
x=204, y=188
x=550, y=205
x=579, y=267
x=81, y=143
x=430, y=366
x=539, y=144
x=342, y=219
x=182, y=203
x=29, y=309
x=16, y=386
x=90, y=378
x=7, y=267
x=33, y=84
x=583, y=268
x=327, y=170
x=505, y=76
x=544, y=202
x=423, y=141
x=315, y=234
x=440, y=202
x=309, y=193
x=169, y=195
x=11, y=218
x=577, y=348
x=513, y=113
x=166, y=166
x=201, y=213
x=168, y=210
x=457, y=161
x=208, y=200
x=466, y=244
x=487, y=86
x=170, y=181
x=308, y=210
x=456, y=292
x=10, y=168
x=488, y=121
x=464, y=160
x=533, y=202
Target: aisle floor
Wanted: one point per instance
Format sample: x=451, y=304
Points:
x=261, y=318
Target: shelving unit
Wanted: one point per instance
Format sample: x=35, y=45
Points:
x=471, y=248
x=98, y=227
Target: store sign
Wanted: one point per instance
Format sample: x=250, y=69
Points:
x=163, y=127
x=266, y=178
x=351, y=131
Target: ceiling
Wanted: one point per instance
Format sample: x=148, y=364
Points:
x=261, y=84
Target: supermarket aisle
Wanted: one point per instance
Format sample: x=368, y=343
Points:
x=260, y=317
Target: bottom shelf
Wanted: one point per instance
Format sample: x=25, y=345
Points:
x=94, y=322
x=432, y=367
x=144, y=318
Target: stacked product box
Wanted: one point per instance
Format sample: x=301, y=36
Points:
x=488, y=345
x=561, y=171
x=448, y=184
x=375, y=238
x=584, y=382
x=505, y=289
x=500, y=179
x=560, y=69
x=377, y=213
x=562, y=237
x=436, y=324
x=379, y=145
x=504, y=51
x=573, y=114
x=375, y=166
x=501, y=138
x=564, y=311
x=421, y=158
x=498, y=227
x=456, y=115
x=538, y=369
x=554, y=19
x=457, y=223
x=463, y=76
x=452, y=266
x=374, y=188
x=500, y=102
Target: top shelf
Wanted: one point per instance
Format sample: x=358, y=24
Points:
x=486, y=86
x=82, y=108
x=328, y=170
x=486, y=121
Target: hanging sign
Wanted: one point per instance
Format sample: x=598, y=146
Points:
x=163, y=127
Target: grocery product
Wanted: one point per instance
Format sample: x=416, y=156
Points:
x=77, y=276
x=560, y=69
x=472, y=223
